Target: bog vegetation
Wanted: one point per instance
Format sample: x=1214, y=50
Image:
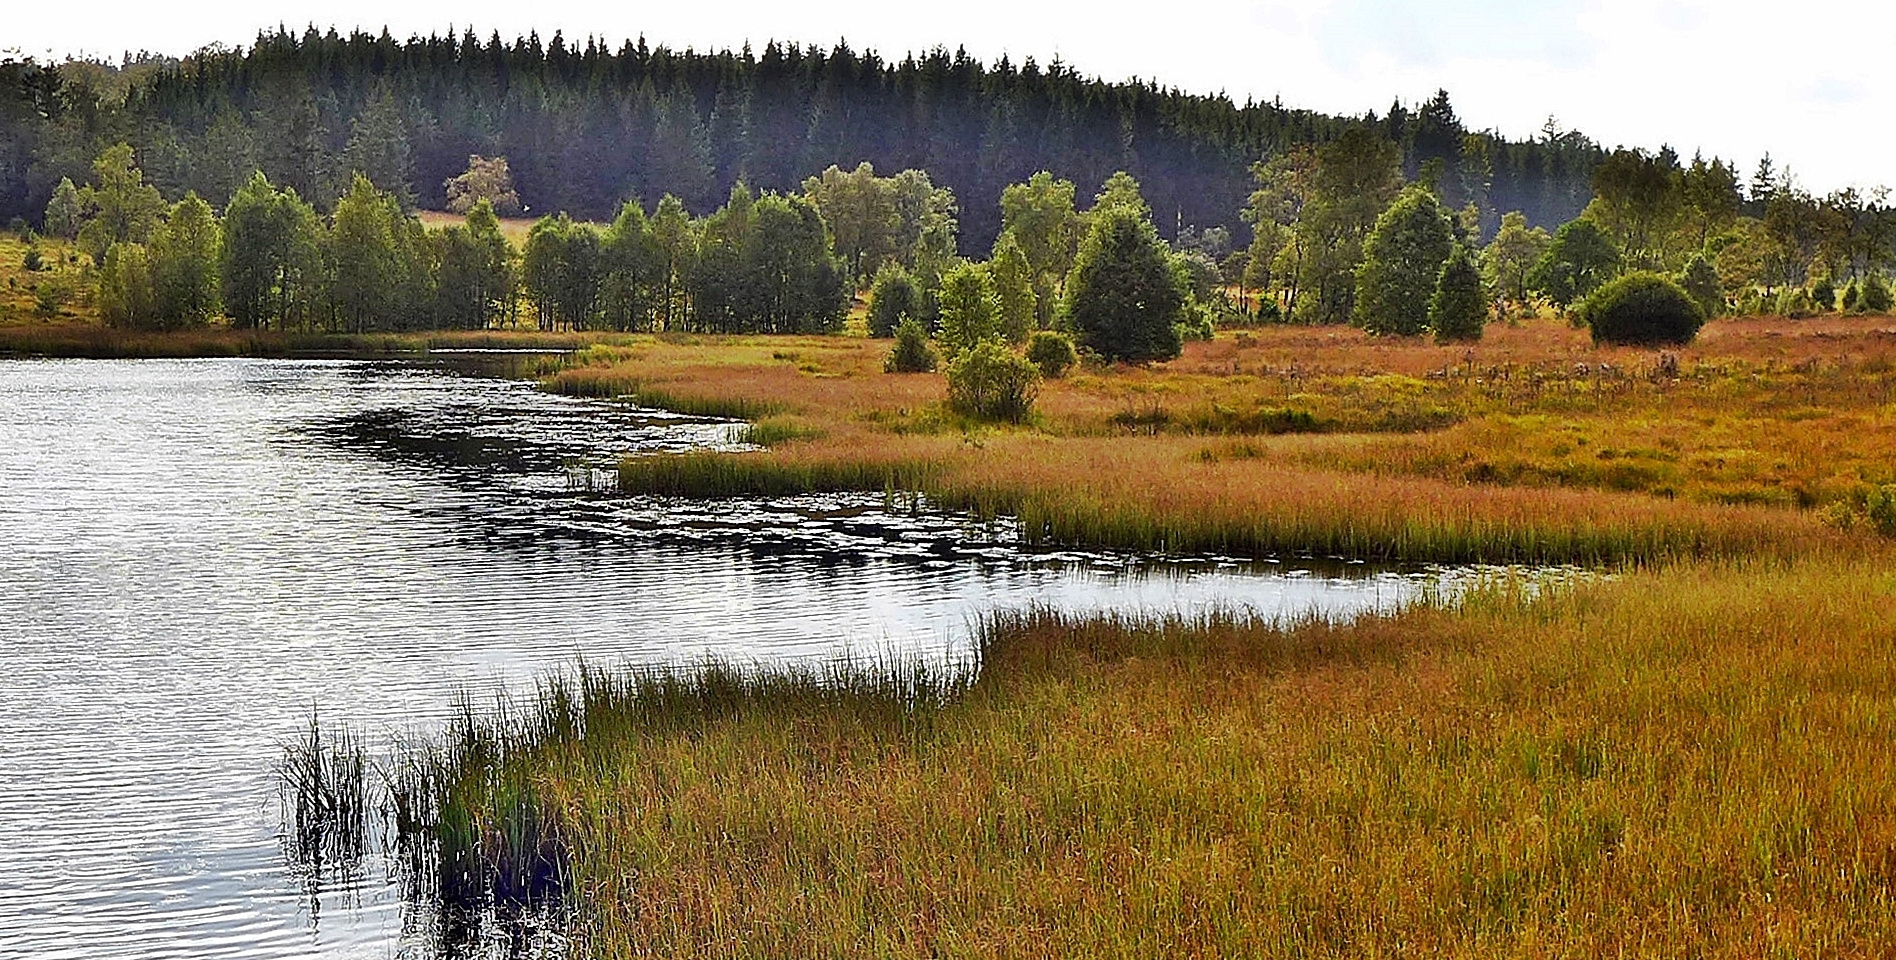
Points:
x=1263, y=334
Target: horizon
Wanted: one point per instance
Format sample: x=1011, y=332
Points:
x=1335, y=57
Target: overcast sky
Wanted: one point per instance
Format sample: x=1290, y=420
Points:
x=1734, y=78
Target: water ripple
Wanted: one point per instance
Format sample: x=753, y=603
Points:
x=199, y=553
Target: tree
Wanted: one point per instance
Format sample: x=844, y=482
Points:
x=184, y=256
x=379, y=150
x=912, y=353
x=561, y=269
x=892, y=298
x=633, y=267
x=1285, y=185
x=1041, y=217
x=120, y=206
x=1711, y=198
x=486, y=179
x=1576, y=263
x=970, y=312
x=1052, y=352
x=859, y=208
x=1121, y=191
x=1013, y=280
x=475, y=279
x=678, y=252
x=1641, y=309
x=1639, y=199
x=1121, y=301
x=271, y=264
x=1354, y=179
x=1510, y=257
x=64, y=213
x=364, y=265
x=1458, y=310
x=796, y=284
x=1875, y=297
x=126, y=297
x=1402, y=260
x=1699, y=280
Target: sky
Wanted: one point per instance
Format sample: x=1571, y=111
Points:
x=1731, y=78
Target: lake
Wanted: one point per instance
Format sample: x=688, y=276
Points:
x=197, y=555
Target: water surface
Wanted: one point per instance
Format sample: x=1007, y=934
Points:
x=196, y=554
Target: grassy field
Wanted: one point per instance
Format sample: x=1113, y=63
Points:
x=1766, y=437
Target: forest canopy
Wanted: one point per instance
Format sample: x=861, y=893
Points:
x=585, y=127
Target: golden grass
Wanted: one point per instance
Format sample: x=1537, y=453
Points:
x=1692, y=762
x=1531, y=446
x=515, y=229
x=62, y=267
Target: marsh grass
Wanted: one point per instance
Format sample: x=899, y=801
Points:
x=325, y=791
x=1691, y=762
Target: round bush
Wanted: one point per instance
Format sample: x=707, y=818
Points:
x=1641, y=309
x=1052, y=352
x=992, y=382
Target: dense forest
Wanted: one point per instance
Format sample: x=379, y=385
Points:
x=585, y=127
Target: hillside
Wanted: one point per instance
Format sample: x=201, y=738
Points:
x=585, y=126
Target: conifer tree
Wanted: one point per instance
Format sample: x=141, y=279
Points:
x=1121, y=300
x=1458, y=310
x=1402, y=260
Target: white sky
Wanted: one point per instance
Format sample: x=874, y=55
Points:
x=1735, y=78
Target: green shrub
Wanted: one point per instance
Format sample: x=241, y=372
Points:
x=1794, y=303
x=1874, y=297
x=1052, y=353
x=992, y=382
x=1850, y=297
x=34, y=261
x=1194, y=322
x=1641, y=309
x=1823, y=295
x=1880, y=508
x=912, y=353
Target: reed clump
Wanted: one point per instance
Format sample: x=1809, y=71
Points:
x=326, y=797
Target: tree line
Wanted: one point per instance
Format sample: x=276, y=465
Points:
x=587, y=127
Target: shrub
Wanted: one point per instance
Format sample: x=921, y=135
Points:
x=1881, y=509
x=1850, y=297
x=1052, y=353
x=1194, y=322
x=1874, y=297
x=893, y=296
x=992, y=382
x=1823, y=295
x=1794, y=303
x=912, y=353
x=1641, y=309
x=34, y=261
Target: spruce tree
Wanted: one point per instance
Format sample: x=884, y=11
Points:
x=1458, y=310
x=1402, y=260
x=1121, y=300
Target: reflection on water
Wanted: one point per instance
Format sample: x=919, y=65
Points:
x=197, y=553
